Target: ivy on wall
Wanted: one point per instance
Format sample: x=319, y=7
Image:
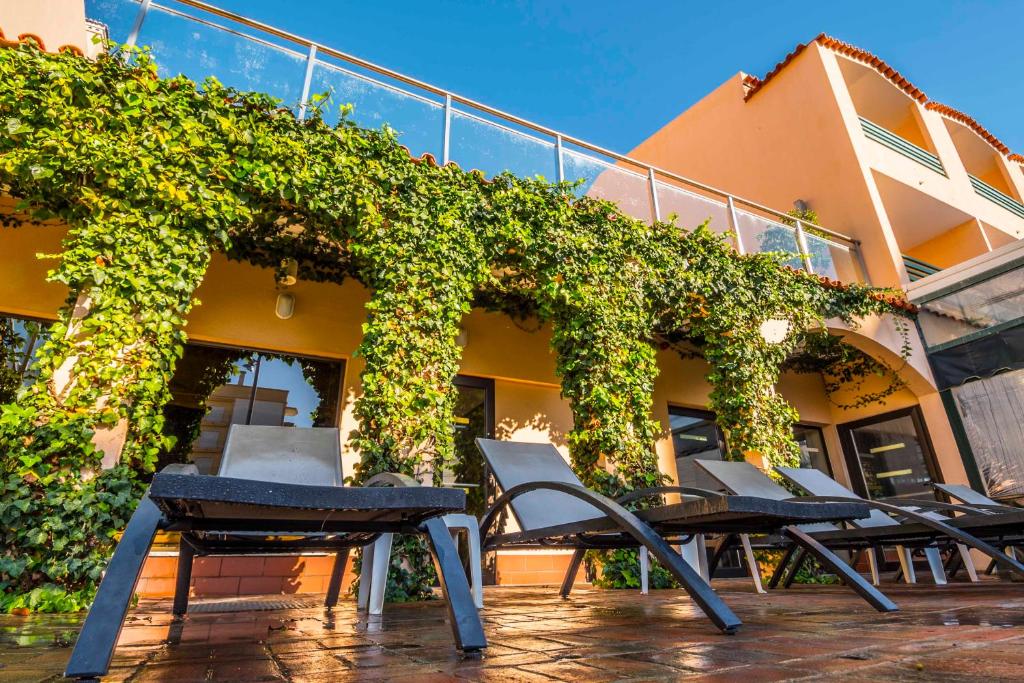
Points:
x=152, y=175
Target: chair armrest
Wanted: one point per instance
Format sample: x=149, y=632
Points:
x=940, y=506
x=660, y=490
x=603, y=504
x=391, y=479
x=180, y=468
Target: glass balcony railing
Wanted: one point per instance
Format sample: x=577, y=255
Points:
x=200, y=40
x=973, y=309
x=875, y=132
x=996, y=197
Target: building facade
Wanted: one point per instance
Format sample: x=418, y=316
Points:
x=804, y=133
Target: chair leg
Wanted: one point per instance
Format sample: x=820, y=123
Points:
x=476, y=583
x=381, y=564
x=872, y=595
x=873, y=565
x=692, y=582
x=968, y=563
x=906, y=564
x=953, y=564
x=723, y=546
x=95, y=646
x=755, y=571
x=337, y=572
x=365, y=577
x=570, y=573
x=183, y=578
x=935, y=565
x=780, y=568
x=691, y=553
x=645, y=565
x=465, y=619
x=702, y=557
x=794, y=567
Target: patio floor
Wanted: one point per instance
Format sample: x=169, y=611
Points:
x=960, y=632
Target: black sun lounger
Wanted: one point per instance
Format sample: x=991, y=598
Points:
x=873, y=531
x=972, y=529
x=222, y=515
x=1011, y=540
x=553, y=508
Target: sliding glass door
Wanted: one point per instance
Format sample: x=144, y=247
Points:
x=889, y=456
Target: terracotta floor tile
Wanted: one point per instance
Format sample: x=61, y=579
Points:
x=963, y=632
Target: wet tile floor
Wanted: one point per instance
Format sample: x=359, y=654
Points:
x=959, y=632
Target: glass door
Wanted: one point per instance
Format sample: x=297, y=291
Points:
x=812, y=448
x=474, y=417
x=892, y=454
x=695, y=436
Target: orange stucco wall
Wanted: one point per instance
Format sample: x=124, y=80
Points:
x=237, y=308
x=58, y=23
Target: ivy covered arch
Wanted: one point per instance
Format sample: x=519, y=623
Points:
x=152, y=175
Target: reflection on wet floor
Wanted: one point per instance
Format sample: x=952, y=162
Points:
x=958, y=632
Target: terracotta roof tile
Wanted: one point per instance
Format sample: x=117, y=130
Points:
x=754, y=84
x=31, y=37
x=963, y=118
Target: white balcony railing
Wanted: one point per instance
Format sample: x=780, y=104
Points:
x=200, y=40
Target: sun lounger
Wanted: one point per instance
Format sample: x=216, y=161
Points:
x=219, y=515
x=554, y=509
x=887, y=525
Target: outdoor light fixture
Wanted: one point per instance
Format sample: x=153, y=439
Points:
x=285, y=306
x=774, y=331
x=463, y=337
x=288, y=272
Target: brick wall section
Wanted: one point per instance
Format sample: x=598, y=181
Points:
x=243, y=575
x=288, y=574
x=533, y=569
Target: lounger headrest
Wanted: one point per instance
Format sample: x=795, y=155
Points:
x=743, y=479
x=516, y=462
x=817, y=483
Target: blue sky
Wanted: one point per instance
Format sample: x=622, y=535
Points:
x=614, y=72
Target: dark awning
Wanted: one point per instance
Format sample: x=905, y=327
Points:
x=979, y=358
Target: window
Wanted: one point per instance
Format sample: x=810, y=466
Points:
x=812, y=448
x=216, y=387
x=695, y=436
x=19, y=340
x=892, y=454
x=992, y=413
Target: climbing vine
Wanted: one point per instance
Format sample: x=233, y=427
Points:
x=153, y=175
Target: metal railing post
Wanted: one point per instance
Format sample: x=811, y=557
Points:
x=580, y=146
x=654, y=194
x=133, y=35
x=801, y=245
x=559, y=164
x=446, y=134
x=304, y=98
x=734, y=224
x=861, y=262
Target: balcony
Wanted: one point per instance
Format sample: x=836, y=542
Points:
x=918, y=269
x=908, y=149
x=200, y=40
x=996, y=197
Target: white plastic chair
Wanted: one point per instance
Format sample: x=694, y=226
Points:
x=377, y=556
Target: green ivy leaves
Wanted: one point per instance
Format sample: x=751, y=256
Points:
x=152, y=175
